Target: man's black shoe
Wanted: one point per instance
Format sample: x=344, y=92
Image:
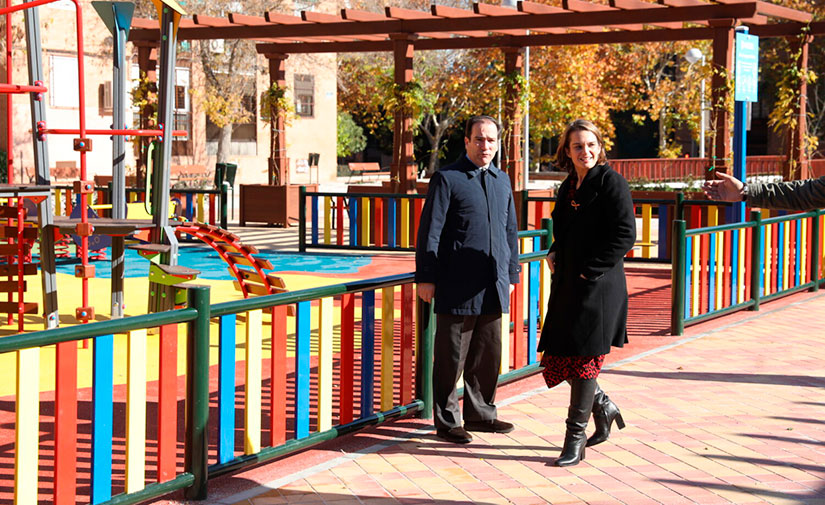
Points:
x=494, y=426
x=457, y=435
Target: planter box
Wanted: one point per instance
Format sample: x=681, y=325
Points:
x=273, y=205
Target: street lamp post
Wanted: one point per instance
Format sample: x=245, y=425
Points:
x=692, y=56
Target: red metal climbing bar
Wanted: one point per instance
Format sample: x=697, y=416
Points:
x=21, y=88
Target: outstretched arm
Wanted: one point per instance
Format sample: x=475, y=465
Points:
x=727, y=188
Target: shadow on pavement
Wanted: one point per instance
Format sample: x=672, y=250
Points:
x=779, y=380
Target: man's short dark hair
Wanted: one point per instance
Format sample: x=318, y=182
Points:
x=468, y=129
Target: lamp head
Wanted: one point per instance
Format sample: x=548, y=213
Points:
x=693, y=55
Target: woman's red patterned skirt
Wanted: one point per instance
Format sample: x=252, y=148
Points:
x=558, y=369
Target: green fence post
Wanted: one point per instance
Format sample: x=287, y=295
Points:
x=677, y=278
x=424, y=358
x=197, y=392
x=756, y=259
x=224, y=199
x=302, y=219
x=680, y=206
x=547, y=240
x=815, y=251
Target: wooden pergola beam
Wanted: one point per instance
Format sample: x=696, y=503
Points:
x=565, y=39
x=433, y=24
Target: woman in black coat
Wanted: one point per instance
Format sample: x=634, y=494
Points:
x=593, y=228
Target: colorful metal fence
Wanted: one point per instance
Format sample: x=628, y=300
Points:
x=655, y=217
x=193, y=204
x=373, y=221
x=281, y=373
x=722, y=269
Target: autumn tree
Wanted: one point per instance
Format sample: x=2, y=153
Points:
x=571, y=82
x=660, y=82
x=229, y=67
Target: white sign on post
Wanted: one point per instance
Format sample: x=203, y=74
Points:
x=747, y=68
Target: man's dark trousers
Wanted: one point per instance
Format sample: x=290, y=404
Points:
x=471, y=344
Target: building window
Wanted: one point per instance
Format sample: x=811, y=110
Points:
x=63, y=88
x=104, y=99
x=305, y=95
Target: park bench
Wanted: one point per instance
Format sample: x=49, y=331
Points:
x=368, y=168
x=190, y=176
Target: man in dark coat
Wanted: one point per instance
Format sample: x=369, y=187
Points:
x=467, y=258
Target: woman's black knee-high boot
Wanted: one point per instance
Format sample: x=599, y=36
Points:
x=604, y=413
x=581, y=403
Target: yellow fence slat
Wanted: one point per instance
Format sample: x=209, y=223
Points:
x=252, y=397
x=327, y=220
x=387, y=340
x=647, y=220
x=713, y=215
x=505, y=342
x=136, y=411
x=694, y=285
x=365, y=221
x=199, y=215
x=26, y=442
x=741, y=269
x=405, y=222
x=325, y=350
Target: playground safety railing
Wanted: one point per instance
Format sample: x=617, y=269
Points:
x=298, y=368
x=723, y=269
x=197, y=204
x=365, y=221
x=657, y=216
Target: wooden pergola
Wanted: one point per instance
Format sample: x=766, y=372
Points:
x=577, y=22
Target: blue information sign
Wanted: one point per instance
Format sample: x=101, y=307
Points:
x=747, y=67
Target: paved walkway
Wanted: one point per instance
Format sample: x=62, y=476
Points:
x=732, y=413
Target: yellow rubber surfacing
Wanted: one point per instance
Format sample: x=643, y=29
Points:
x=136, y=295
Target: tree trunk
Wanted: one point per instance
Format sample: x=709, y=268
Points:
x=662, y=134
x=224, y=139
x=440, y=127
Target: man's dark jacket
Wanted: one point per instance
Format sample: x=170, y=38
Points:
x=468, y=240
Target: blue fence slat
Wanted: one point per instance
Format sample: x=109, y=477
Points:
x=102, y=406
x=190, y=208
x=367, y=351
x=353, y=221
x=226, y=388
x=302, y=358
x=391, y=221
x=313, y=209
x=533, y=301
x=664, y=231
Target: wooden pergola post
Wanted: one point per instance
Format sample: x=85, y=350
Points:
x=147, y=64
x=511, y=129
x=403, y=170
x=278, y=173
x=723, y=44
x=797, y=165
